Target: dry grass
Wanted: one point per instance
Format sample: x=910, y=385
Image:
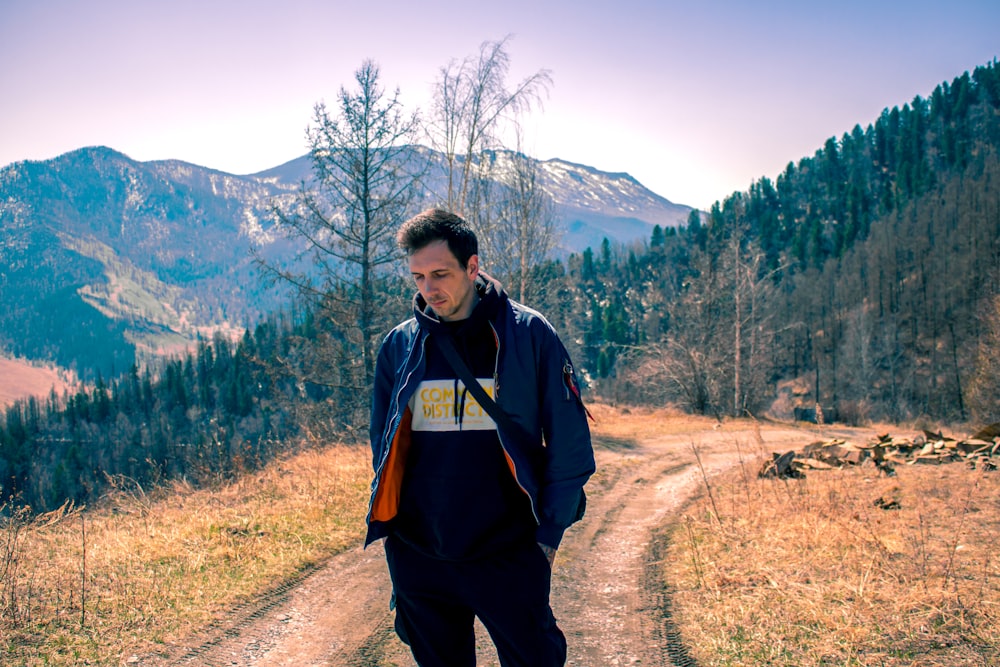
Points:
x=21, y=380
x=635, y=423
x=766, y=572
x=815, y=572
x=91, y=587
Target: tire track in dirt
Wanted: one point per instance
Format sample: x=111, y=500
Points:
x=598, y=592
x=607, y=589
x=332, y=615
x=666, y=635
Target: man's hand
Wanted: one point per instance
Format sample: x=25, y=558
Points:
x=549, y=552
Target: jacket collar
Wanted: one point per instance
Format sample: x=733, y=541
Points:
x=492, y=297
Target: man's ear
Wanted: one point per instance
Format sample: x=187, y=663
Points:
x=472, y=266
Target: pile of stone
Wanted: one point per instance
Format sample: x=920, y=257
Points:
x=885, y=452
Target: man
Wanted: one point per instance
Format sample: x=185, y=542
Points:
x=473, y=512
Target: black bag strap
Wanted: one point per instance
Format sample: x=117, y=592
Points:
x=501, y=418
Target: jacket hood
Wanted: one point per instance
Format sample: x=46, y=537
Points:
x=491, y=298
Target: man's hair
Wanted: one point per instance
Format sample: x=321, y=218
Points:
x=436, y=224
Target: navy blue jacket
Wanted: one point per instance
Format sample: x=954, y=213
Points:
x=534, y=383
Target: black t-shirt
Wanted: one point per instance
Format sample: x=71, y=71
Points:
x=459, y=499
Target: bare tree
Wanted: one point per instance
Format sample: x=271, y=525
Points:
x=673, y=372
x=472, y=101
x=695, y=356
x=528, y=231
x=752, y=291
x=983, y=389
x=346, y=218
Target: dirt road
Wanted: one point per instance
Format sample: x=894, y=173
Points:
x=606, y=592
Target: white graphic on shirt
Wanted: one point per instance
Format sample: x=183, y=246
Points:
x=435, y=406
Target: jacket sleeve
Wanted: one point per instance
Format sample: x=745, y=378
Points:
x=381, y=395
x=569, y=455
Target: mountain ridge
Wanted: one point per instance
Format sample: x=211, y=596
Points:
x=151, y=255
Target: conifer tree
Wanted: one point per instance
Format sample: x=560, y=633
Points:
x=364, y=185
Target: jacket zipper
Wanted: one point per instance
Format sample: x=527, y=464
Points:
x=496, y=396
x=397, y=412
x=397, y=416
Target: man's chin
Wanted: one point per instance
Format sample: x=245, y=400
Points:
x=443, y=312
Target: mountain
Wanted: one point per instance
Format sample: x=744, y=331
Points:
x=590, y=204
x=104, y=259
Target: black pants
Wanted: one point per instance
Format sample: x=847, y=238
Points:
x=437, y=602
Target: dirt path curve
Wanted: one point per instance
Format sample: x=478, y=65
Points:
x=606, y=590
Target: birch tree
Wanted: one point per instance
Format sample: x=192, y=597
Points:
x=517, y=223
x=531, y=219
x=472, y=103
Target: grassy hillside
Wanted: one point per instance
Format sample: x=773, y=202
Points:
x=91, y=585
x=21, y=380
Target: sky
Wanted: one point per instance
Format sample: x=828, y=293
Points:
x=696, y=100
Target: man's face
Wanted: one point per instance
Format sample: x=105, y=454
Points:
x=448, y=288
